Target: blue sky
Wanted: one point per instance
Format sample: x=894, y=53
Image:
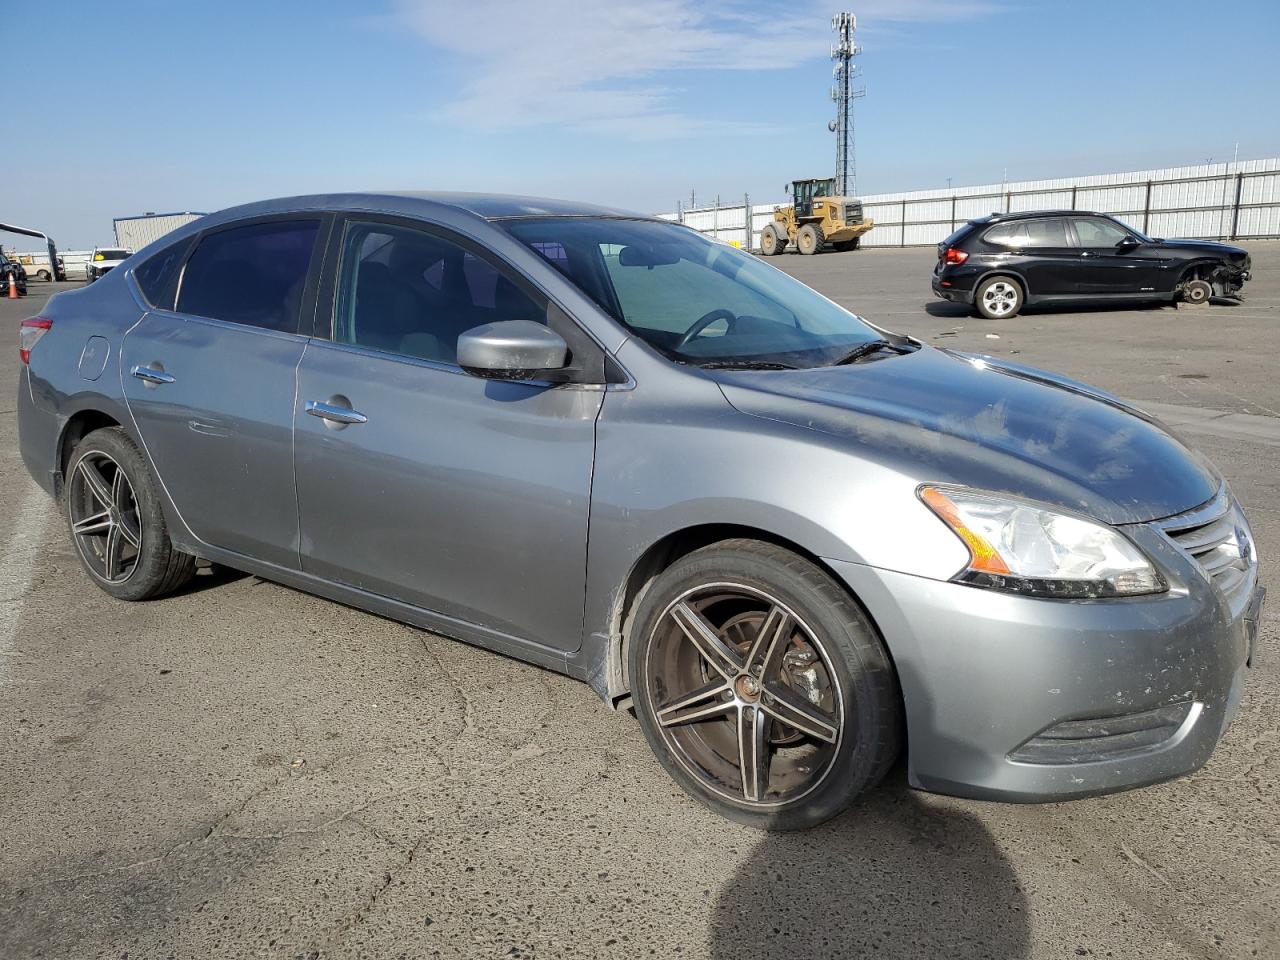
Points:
x=162, y=106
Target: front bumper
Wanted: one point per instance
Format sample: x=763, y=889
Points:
x=1149, y=684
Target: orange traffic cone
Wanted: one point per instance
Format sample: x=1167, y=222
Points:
x=13, y=287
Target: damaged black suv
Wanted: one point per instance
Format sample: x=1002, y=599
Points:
x=1001, y=263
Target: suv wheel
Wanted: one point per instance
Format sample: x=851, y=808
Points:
x=761, y=687
x=116, y=522
x=998, y=298
x=1197, y=291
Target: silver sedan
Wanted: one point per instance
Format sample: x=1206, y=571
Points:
x=799, y=546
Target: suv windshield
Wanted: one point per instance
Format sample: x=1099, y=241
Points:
x=692, y=299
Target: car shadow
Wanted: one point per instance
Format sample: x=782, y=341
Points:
x=208, y=577
x=945, y=308
x=895, y=876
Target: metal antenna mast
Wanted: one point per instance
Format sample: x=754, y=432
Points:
x=844, y=93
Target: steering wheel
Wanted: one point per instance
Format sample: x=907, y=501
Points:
x=706, y=320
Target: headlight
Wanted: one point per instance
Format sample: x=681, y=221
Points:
x=1024, y=548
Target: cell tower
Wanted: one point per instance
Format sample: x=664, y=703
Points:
x=844, y=93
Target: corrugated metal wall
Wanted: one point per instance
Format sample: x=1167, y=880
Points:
x=1208, y=201
x=134, y=233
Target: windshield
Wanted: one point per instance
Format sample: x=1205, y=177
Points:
x=692, y=299
x=110, y=255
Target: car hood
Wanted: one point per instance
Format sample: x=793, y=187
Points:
x=1207, y=247
x=944, y=417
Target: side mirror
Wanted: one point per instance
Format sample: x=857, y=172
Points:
x=512, y=350
x=1129, y=242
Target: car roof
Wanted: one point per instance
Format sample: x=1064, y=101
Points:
x=1034, y=214
x=488, y=206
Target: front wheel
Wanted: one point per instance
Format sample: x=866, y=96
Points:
x=998, y=298
x=116, y=522
x=808, y=239
x=43, y=275
x=761, y=686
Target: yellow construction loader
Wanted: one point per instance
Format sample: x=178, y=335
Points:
x=815, y=219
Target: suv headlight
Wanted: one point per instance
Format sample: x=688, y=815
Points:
x=1024, y=548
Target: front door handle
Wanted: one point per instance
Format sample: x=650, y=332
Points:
x=332, y=413
x=152, y=376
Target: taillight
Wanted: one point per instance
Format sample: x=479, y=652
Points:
x=954, y=256
x=29, y=335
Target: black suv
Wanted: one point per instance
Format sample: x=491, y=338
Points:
x=1001, y=263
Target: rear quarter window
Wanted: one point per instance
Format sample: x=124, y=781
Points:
x=158, y=274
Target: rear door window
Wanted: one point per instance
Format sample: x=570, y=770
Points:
x=1024, y=234
x=254, y=274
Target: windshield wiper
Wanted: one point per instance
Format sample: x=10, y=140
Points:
x=745, y=365
x=866, y=349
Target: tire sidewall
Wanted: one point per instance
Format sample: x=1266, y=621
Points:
x=863, y=673
x=153, y=558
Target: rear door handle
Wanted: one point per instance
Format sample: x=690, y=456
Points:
x=334, y=413
x=152, y=376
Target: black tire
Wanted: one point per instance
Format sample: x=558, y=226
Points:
x=1196, y=292
x=155, y=567
x=861, y=687
x=999, y=298
x=808, y=239
x=44, y=275
x=846, y=245
x=771, y=243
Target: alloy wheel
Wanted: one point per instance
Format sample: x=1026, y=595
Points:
x=1001, y=298
x=744, y=694
x=104, y=517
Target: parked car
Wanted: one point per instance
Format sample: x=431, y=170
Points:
x=1001, y=263
x=103, y=260
x=794, y=542
x=12, y=268
x=38, y=264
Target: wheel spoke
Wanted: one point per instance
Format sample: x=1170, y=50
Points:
x=96, y=483
x=98, y=523
x=111, y=554
x=131, y=536
x=702, y=635
x=786, y=706
x=121, y=493
x=753, y=751
x=701, y=704
x=770, y=643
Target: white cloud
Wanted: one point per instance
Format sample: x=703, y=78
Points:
x=603, y=65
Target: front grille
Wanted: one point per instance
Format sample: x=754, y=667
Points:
x=853, y=213
x=1217, y=538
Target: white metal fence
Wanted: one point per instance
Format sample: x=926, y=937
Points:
x=1221, y=201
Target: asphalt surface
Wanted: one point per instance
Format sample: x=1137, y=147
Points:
x=247, y=771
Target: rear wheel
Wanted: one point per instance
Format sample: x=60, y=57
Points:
x=998, y=298
x=808, y=239
x=116, y=522
x=761, y=687
x=43, y=275
x=770, y=242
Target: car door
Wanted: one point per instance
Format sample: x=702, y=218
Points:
x=1109, y=266
x=210, y=384
x=1041, y=252
x=416, y=481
